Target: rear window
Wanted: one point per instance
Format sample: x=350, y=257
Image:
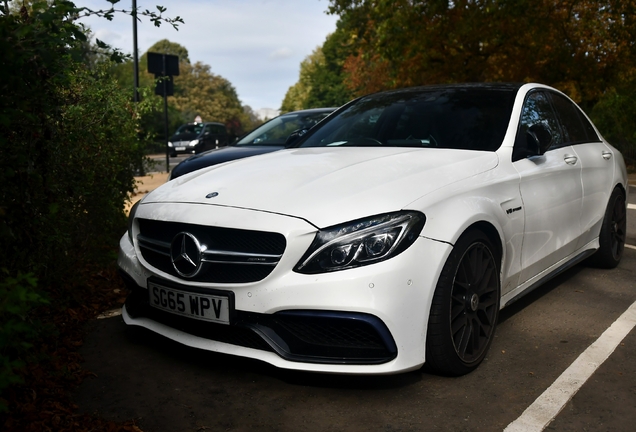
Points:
x=577, y=128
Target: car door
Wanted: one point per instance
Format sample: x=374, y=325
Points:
x=597, y=165
x=550, y=188
x=208, y=138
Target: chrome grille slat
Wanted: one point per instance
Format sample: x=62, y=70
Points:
x=240, y=262
x=239, y=257
x=154, y=245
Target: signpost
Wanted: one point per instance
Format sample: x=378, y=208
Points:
x=135, y=59
x=164, y=66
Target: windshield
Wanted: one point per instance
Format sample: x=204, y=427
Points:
x=471, y=118
x=189, y=129
x=277, y=130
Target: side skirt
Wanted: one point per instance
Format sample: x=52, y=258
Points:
x=546, y=277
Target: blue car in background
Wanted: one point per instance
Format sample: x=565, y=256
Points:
x=271, y=136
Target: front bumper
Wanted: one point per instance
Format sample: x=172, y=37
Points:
x=184, y=147
x=367, y=320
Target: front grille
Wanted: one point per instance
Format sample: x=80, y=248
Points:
x=229, y=255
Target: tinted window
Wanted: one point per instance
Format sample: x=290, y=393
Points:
x=536, y=110
x=576, y=127
x=215, y=129
x=277, y=130
x=190, y=129
x=471, y=118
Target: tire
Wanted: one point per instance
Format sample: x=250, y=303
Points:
x=465, y=307
x=613, y=231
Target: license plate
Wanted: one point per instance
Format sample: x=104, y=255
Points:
x=203, y=307
x=179, y=148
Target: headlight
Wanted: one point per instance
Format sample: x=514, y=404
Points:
x=131, y=218
x=194, y=142
x=361, y=242
x=169, y=144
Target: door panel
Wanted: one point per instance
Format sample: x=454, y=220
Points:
x=597, y=165
x=596, y=160
x=550, y=187
x=551, y=192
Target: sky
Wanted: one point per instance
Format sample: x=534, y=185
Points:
x=257, y=45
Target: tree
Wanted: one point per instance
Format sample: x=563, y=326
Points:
x=69, y=145
x=321, y=79
x=197, y=91
x=252, y=119
x=327, y=78
x=576, y=45
x=297, y=96
x=614, y=116
x=164, y=46
x=583, y=47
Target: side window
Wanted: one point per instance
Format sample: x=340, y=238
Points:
x=536, y=110
x=576, y=127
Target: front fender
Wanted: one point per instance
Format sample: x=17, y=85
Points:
x=491, y=198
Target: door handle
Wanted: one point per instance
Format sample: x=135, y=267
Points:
x=569, y=159
x=607, y=155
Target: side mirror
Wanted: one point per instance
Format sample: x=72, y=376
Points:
x=295, y=136
x=539, y=138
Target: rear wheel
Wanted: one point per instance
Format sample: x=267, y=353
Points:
x=465, y=307
x=613, y=231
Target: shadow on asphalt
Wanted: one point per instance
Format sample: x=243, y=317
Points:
x=511, y=310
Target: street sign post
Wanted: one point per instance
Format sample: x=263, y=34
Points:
x=164, y=66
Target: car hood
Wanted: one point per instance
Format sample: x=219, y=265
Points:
x=326, y=186
x=217, y=156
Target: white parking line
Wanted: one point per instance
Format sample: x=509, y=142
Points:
x=631, y=206
x=547, y=406
x=630, y=246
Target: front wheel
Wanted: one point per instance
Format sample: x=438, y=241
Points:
x=465, y=307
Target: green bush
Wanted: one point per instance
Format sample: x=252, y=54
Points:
x=70, y=147
x=17, y=299
x=614, y=116
x=68, y=136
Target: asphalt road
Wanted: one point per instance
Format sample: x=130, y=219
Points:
x=157, y=162
x=168, y=387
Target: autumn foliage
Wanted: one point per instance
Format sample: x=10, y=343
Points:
x=585, y=48
x=580, y=46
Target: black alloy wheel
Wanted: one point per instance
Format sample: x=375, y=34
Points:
x=465, y=307
x=618, y=225
x=613, y=232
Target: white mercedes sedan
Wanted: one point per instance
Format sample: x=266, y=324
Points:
x=387, y=238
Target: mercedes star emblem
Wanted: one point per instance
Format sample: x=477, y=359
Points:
x=185, y=254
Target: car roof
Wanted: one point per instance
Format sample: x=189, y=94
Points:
x=311, y=111
x=203, y=123
x=478, y=87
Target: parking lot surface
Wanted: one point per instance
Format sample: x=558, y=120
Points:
x=169, y=387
